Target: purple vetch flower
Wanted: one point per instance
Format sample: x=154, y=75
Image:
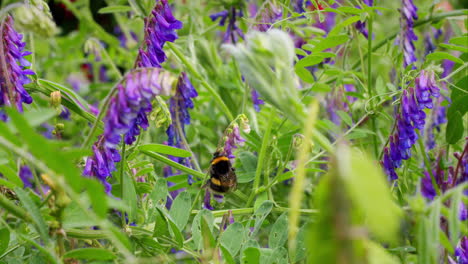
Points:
x=461, y=252
x=233, y=32
x=102, y=163
x=125, y=116
x=410, y=117
x=127, y=110
x=13, y=68
x=232, y=140
x=408, y=16
x=361, y=25
x=207, y=201
x=65, y=113
x=463, y=212
x=26, y=176
x=47, y=130
x=179, y=104
x=429, y=44
x=438, y=117
x=256, y=100
x=159, y=28
x=389, y=167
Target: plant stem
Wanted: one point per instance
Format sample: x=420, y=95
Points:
x=369, y=81
x=261, y=157
x=250, y=210
x=296, y=193
x=174, y=164
x=121, y=176
x=14, y=209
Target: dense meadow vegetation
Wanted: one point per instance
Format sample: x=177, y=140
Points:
x=234, y=131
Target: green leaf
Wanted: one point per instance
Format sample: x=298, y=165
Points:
x=330, y=42
x=301, y=244
x=129, y=196
x=345, y=117
x=378, y=255
x=159, y=193
x=260, y=214
x=350, y=10
x=227, y=256
x=97, y=197
x=36, y=215
x=453, y=218
x=343, y=24
x=164, y=149
x=36, y=117
x=277, y=256
x=70, y=99
x=74, y=216
x=90, y=254
x=246, y=163
x=304, y=74
x=435, y=56
x=314, y=59
x=365, y=179
x=197, y=229
x=11, y=175
x=207, y=234
x=161, y=226
x=172, y=227
x=321, y=88
x=115, y=9
x=230, y=238
x=462, y=41
x=279, y=232
x=251, y=255
x=4, y=239
x=180, y=209
x=453, y=47
x=454, y=130
x=459, y=104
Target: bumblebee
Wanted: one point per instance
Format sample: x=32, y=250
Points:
x=223, y=178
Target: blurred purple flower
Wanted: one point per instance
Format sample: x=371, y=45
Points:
x=408, y=16
x=266, y=17
x=159, y=28
x=438, y=117
x=256, y=100
x=233, y=32
x=26, y=176
x=65, y=114
x=429, y=44
x=13, y=68
x=461, y=252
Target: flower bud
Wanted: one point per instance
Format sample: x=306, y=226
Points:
x=55, y=99
x=298, y=139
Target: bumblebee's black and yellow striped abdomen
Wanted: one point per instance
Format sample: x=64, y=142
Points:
x=222, y=175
